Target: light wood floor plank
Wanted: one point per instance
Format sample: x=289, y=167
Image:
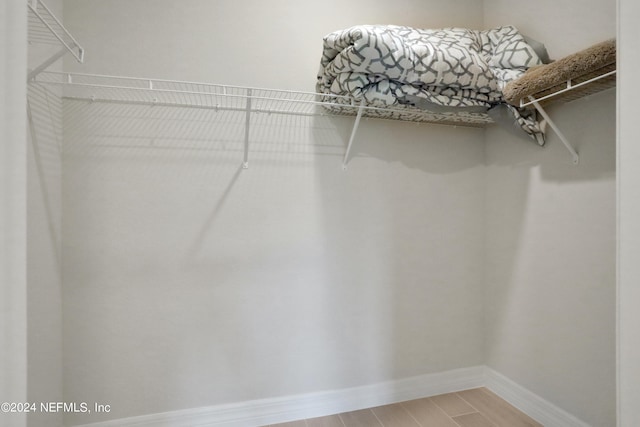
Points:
x=300, y=423
x=363, y=418
x=329, y=421
x=394, y=416
x=496, y=409
x=471, y=408
x=452, y=404
x=473, y=420
x=428, y=414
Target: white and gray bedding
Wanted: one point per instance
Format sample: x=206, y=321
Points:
x=444, y=70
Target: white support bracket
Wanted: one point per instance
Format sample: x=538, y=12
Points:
x=353, y=134
x=566, y=143
x=33, y=73
x=245, y=162
x=46, y=28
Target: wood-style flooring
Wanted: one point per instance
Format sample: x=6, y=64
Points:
x=477, y=407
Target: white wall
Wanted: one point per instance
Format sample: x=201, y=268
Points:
x=13, y=206
x=44, y=252
x=565, y=26
x=628, y=214
x=44, y=296
x=190, y=282
x=274, y=44
x=551, y=227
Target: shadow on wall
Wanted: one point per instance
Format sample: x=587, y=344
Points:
x=127, y=126
x=380, y=139
x=550, y=259
x=588, y=124
x=45, y=135
x=233, y=277
x=44, y=269
x=282, y=275
x=401, y=228
x=218, y=271
x=412, y=202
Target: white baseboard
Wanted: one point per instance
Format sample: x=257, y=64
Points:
x=541, y=410
x=281, y=409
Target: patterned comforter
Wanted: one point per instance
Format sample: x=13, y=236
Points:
x=453, y=68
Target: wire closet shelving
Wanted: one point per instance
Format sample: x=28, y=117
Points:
x=45, y=28
x=250, y=100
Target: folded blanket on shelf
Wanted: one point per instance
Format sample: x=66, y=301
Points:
x=445, y=68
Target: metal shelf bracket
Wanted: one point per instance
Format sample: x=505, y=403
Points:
x=543, y=113
x=45, y=28
x=245, y=162
x=353, y=134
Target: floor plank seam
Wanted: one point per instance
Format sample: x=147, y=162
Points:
x=475, y=411
x=457, y=415
x=490, y=421
x=469, y=403
x=493, y=423
x=411, y=415
x=379, y=420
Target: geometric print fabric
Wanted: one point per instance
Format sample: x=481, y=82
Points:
x=452, y=67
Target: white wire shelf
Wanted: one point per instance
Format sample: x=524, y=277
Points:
x=133, y=90
x=250, y=100
x=45, y=28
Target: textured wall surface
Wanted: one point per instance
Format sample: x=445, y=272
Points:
x=190, y=282
x=551, y=229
